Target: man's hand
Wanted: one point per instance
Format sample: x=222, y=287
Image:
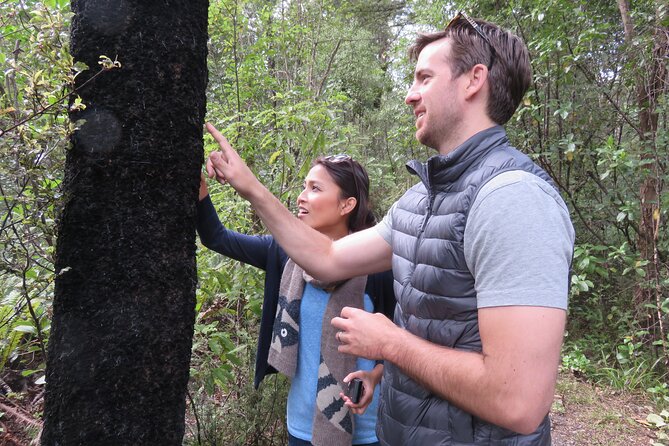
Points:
x=363, y=252
x=364, y=334
x=228, y=167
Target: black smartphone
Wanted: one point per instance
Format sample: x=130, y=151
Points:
x=355, y=390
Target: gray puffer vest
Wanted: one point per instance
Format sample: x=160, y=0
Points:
x=436, y=298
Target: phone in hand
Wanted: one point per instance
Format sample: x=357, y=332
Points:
x=355, y=390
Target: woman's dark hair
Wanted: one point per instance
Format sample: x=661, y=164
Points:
x=353, y=181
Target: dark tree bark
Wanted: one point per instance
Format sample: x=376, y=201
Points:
x=123, y=313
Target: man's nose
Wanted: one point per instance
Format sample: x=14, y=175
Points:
x=412, y=96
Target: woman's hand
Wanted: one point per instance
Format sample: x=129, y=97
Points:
x=203, y=187
x=369, y=379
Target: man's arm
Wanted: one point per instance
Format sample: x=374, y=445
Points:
x=361, y=253
x=510, y=383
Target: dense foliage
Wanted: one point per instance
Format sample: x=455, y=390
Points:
x=290, y=80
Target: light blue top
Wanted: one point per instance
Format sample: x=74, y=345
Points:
x=302, y=394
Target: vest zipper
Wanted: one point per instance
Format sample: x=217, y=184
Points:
x=428, y=214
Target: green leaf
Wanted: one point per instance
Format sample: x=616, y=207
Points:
x=275, y=155
x=215, y=347
x=25, y=329
x=221, y=375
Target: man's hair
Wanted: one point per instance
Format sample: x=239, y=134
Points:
x=510, y=73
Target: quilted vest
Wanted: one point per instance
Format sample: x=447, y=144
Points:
x=436, y=298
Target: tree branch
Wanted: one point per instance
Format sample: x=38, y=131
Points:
x=45, y=109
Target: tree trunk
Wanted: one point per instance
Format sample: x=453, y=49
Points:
x=651, y=83
x=123, y=313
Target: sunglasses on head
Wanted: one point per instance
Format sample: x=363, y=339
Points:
x=461, y=15
x=337, y=158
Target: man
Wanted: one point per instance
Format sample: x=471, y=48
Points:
x=480, y=250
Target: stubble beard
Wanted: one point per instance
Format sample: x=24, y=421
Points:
x=428, y=138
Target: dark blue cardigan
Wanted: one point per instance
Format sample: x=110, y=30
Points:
x=262, y=251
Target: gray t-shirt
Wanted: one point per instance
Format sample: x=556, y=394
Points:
x=518, y=242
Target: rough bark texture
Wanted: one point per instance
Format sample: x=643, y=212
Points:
x=123, y=314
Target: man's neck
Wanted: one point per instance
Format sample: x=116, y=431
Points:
x=460, y=137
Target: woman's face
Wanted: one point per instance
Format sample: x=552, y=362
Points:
x=320, y=204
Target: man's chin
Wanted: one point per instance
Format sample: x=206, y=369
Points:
x=423, y=138
x=420, y=136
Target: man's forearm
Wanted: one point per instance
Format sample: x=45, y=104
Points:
x=359, y=253
x=477, y=383
x=306, y=246
x=365, y=252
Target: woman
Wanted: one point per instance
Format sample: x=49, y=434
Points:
x=296, y=337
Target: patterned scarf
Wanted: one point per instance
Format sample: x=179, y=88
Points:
x=333, y=422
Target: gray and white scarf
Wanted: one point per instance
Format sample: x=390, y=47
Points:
x=333, y=422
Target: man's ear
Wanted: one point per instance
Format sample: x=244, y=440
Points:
x=348, y=205
x=477, y=78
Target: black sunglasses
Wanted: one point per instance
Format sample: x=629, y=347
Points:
x=479, y=31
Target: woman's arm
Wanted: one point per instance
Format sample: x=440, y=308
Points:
x=245, y=248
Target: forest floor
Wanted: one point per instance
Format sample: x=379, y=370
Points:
x=586, y=414
x=582, y=414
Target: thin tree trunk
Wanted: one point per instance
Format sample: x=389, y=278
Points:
x=650, y=83
x=123, y=313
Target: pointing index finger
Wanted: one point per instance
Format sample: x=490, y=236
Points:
x=220, y=139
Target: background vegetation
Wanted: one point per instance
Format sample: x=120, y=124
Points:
x=292, y=79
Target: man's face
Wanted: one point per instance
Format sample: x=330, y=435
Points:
x=435, y=96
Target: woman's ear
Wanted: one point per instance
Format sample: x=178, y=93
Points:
x=348, y=205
